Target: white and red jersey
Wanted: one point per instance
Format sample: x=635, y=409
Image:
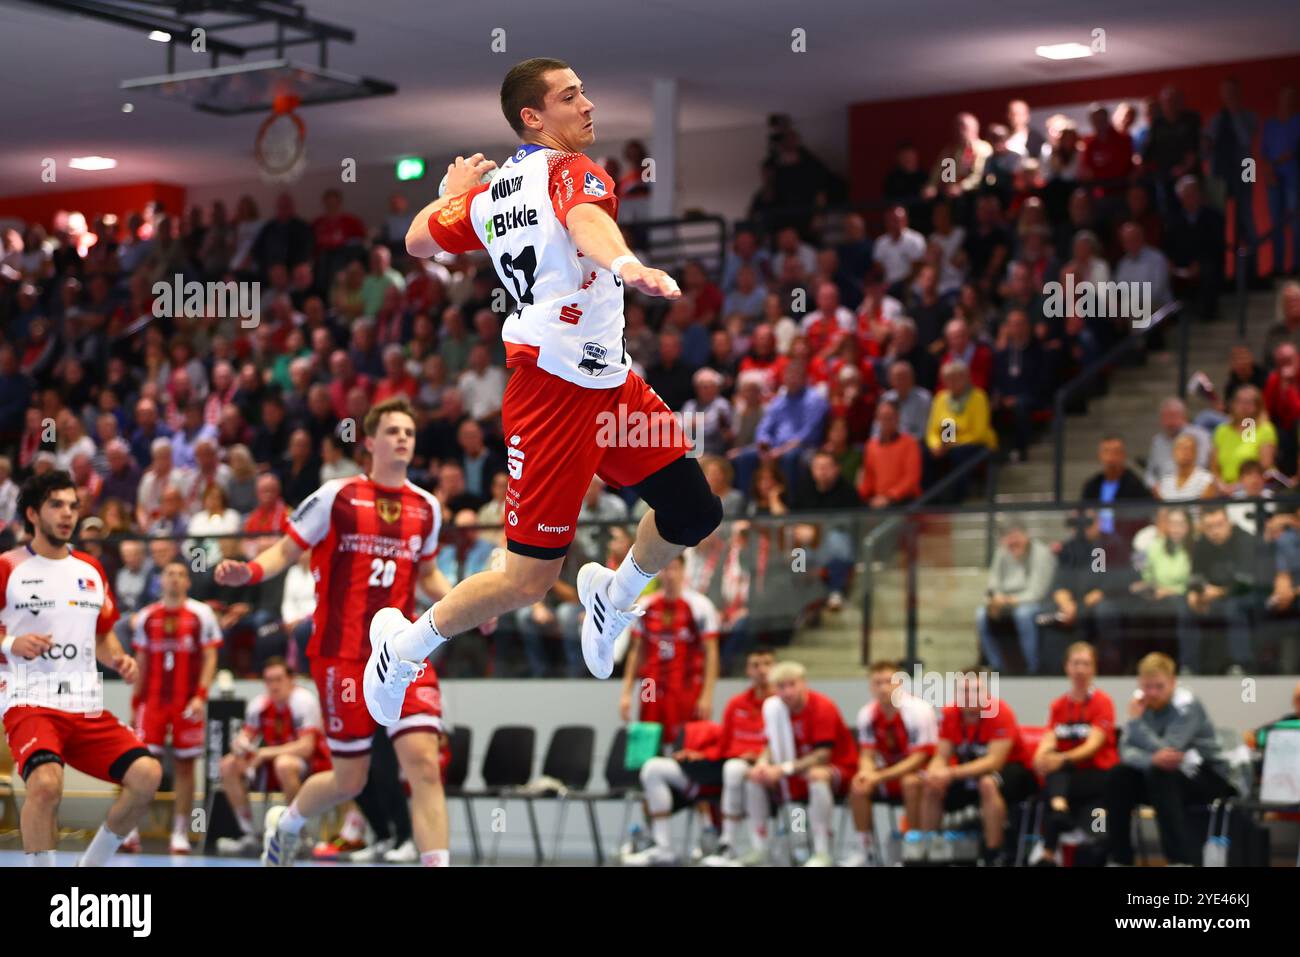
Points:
x=367, y=542
x=743, y=731
x=69, y=600
x=569, y=321
x=171, y=642
x=911, y=728
x=673, y=633
x=272, y=724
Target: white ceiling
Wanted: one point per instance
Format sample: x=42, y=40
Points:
x=733, y=58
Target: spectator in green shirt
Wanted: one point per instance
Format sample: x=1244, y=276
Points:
x=1168, y=563
x=382, y=275
x=1246, y=436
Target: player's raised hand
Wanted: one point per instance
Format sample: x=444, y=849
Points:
x=31, y=646
x=652, y=282
x=232, y=572
x=466, y=173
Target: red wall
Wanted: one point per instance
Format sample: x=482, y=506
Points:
x=875, y=128
x=41, y=207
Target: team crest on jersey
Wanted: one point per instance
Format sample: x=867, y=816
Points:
x=592, y=186
x=389, y=510
x=593, y=358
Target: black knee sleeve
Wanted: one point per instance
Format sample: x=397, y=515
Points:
x=686, y=510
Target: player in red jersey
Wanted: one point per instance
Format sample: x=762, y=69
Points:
x=810, y=756
x=673, y=657
x=57, y=614
x=176, y=639
x=547, y=222
x=372, y=539
x=671, y=784
x=980, y=758
x=282, y=737
x=897, y=733
x=1076, y=752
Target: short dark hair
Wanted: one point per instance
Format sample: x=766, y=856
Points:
x=398, y=403
x=275, y=661
x=1252, y=466
x=760, y=650
x=525, y=86
x=37, y=489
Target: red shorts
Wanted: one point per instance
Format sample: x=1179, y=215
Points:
x=348, y=725
x=672, y=710
x=153, y=720
x=558, y=435
x=98, y=745
x=841, y=778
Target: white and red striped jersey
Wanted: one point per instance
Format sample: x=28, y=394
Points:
x=170, y=643
x=673, y=632
x=69, y=600
x=271, y=724
x=912, y=727
x=569, y=320
x=367, y=542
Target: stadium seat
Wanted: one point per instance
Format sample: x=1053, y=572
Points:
x=458, y=743
x=507, y=765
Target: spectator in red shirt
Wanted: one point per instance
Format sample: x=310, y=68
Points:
x=1107, y=153
x=396, y=381
x=980, y=759
x=810, y=756
x=891, y=468
x=1282, y=399
x=762, y=356
x=1076, y=752
x=343, y=378
x=707, y=296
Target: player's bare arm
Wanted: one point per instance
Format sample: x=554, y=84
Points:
x=209, y=671
x=596, y=234
x=274, y=560
x=997, y=756
x=110, y=654
x=300, y=747
x=1090, y=746
x=27, y=646
x=462, y=176
x=913, y=762
x=814, y=758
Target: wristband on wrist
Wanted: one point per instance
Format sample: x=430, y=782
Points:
x=787, y=768
x=256, y=572
x=201, y=694
x=7, y=646
x=617, y=265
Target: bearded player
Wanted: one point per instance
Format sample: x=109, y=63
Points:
x=547, y=222
x=57, y=615
x=372, y=539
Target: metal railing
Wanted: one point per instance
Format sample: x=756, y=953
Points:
x=1088, y=375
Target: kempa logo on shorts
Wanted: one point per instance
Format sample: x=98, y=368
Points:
x=552, y=529
x=216, y=300
x=1099, y=300
x=133, y=912
x=513, y=519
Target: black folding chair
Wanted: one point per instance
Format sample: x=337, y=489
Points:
x=453, y=784
x=568, y=759
x=507, y=766
x=620, y=785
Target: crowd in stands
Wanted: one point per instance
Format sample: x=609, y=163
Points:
x=820, y=367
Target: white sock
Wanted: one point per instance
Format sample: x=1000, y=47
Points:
x=419, y=639
x=868, y=840
x=435, y=859
x=245, y=821
x=40, y=859
x=821, y=805
x=102, y=847
x=733, y=798
x=629, y=582
x=728, y=836
x=661, y=829
x=757, y=810
x=180, y=826
x=291, y=822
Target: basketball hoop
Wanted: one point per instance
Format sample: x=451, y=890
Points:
x=280, y=148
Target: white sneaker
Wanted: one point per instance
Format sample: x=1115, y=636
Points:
x=405, y=853
x=278, y=847
x=724, y=856
x=653, y=856
x=861, y=858
x=755, y=858
x=387, y=676
x=180, y=844
x=374, y=852
x=603, y=622
x=245, y=846
x=819, y=860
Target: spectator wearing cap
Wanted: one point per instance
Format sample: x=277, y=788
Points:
x=707, y=417
x=891, y=465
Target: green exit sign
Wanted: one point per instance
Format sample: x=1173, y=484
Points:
x=409, y=168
